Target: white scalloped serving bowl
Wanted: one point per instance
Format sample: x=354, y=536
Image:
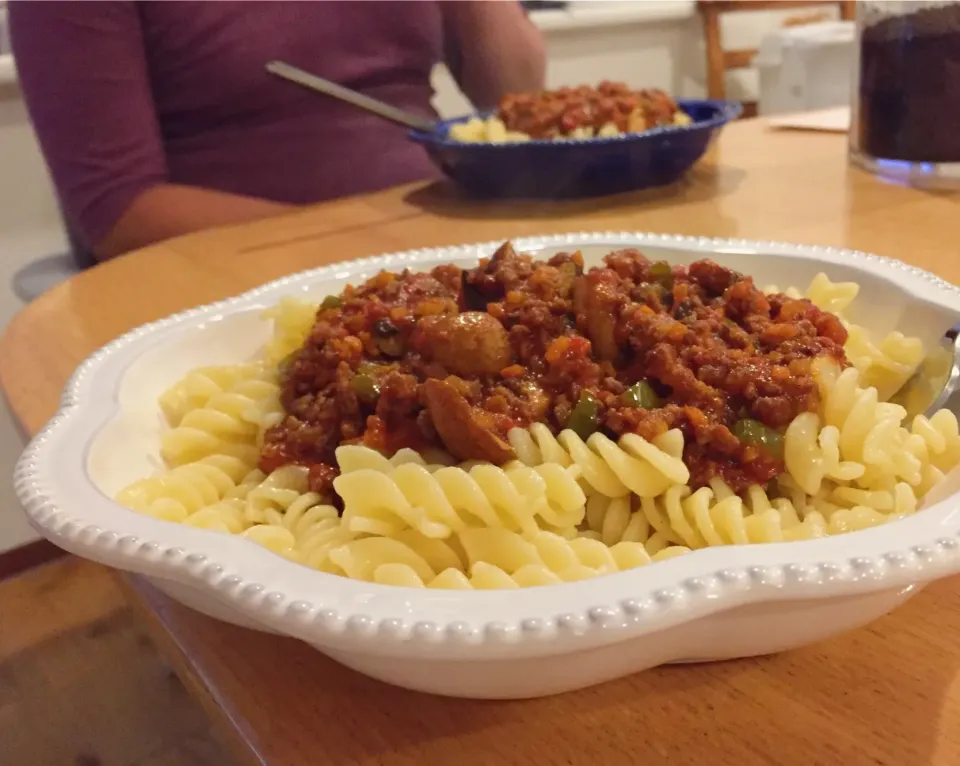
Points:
x=714, y=604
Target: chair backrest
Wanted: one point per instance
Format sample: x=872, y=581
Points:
x=719, y=61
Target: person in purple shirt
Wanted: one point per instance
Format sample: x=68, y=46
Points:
x=157, y=118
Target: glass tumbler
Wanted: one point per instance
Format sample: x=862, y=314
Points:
x=905, y=122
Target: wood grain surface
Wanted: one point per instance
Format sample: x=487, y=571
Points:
x=886, y=694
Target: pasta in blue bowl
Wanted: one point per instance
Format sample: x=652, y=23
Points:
x=511, y=166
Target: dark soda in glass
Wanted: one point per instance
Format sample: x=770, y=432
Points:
x=909, y=86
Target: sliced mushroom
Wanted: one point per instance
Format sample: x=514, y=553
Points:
x=464, y=430
x=471, y=297
x=711, y=276
x=469, y=344
x=481, y=285
x=596, y=306
x=567, y=274
x=504, y=253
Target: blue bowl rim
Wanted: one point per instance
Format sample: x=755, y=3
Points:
x=724, y=112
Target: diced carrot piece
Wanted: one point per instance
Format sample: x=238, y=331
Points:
x=556, y=348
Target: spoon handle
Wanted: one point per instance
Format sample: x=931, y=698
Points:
x=319, y=84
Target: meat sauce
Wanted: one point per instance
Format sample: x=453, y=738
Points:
x=555, y=113
x=454, y=359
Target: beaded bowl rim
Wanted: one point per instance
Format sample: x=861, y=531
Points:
x=63, y=504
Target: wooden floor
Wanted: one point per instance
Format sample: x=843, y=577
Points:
x=81, y=685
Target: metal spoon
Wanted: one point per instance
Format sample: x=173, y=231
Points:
x=320, y=85
x=936, y=383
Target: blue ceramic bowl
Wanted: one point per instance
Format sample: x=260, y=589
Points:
x=581, y=167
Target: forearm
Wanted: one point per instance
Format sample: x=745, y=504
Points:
x=169, y=210
x=493, y=49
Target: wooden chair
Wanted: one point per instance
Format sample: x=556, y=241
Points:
x=720, y=61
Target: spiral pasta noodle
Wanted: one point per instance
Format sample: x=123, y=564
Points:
x=613, y=520
x=282, y=498
x=823, y=293
x=614, y=469
x=451, y=498
x=230, y=422
x=488, y=558
x=185, y=490
x=812, y=454
x=305, y=531
x=700, y=519
x=198, y=386
x=714, y=515
x=886, y=365
x=941, y=438
x=622, y=519
x=489, y=130
x=898, y=498
x=292, y=319
x=831, y=296
x=354, y=457
x=858, y=438
x=280, y=513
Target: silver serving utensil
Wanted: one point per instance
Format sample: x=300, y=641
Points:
x=936, y=383
x=320, y=85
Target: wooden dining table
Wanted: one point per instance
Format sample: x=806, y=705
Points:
x=887, y=694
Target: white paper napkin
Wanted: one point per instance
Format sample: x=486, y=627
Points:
x=833, y=120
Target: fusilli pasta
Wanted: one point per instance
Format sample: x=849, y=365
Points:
x=716, y=516
x=567, y=508
x=450, y=499
x=869, y=433
x=198, y=386
x=490, y=558
x=613, y=469
x=184, y=490
x=230, y=422
x=292, y=319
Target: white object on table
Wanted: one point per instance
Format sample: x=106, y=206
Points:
x=806, y=67
x=833, y=120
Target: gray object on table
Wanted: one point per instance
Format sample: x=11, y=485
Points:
x=320, y=85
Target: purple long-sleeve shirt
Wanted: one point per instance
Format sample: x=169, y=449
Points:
x=128, y=95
